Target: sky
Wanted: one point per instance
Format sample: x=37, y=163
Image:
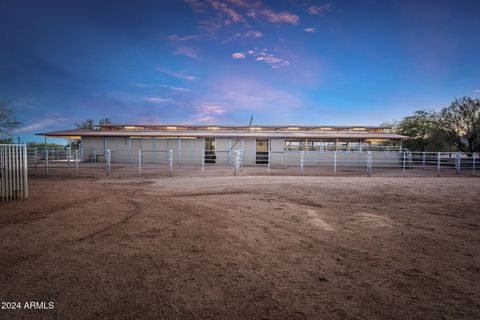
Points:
x=219, y=62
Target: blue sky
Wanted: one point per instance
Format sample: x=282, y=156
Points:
x=208, y=61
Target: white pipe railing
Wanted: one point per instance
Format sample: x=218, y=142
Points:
x=13, y=172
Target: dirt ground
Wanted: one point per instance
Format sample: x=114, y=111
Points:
x=247, y=247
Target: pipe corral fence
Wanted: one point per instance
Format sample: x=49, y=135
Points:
x=385, y=161
x=13, y=172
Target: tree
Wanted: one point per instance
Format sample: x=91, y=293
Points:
x=105, y=121
x=8, y=122
x=425, y=131
x=87, y=124
x=90, y=124
x=461, y=121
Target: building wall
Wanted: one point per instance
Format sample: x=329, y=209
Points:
x=189, y=151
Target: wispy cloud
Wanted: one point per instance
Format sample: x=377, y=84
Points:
x=208, y=112
x=176, y=74
x=141, y=85
x=236, y=11
x=177, y=89
x=476, y=91
x=209, y=27
x=232, y=15
x=320, y=10
x=263, y=56
x=157, y=99
x=175, y=37
x=238, y=55
x=240, y=3
x=311, y=30
x=41, y=124
x=280, y=17
x=235, y=96
x=249, y=34
x=197, y=5
x=152, y=85
x=186, y=51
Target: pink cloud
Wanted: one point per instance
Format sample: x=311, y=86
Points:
x=208, y=112
x=238, y=55
x=233, y=15
x=239, y=3
x=311, y=30
x=280, y=17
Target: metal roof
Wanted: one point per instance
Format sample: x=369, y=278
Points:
x=224, y=134
x=186, y=125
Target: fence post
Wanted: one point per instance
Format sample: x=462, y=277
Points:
x=46, y=161
x=235, y=162
x=69, y=151
x=369, y=163
x=25, y=172
x=170, y=162
x=423, y=161
x=438, y=164
x=302, y=154
x=268, y=169
x=281, y=159
x=35, y=157
x=94, y=156
x=140, y=162
x=457, y=163
x=203, y=160
x=76, y=161
x=404, y=159
x=107, y=162
x=473, y=163
x=335, y=163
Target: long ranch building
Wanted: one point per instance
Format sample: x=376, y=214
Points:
x=215, y=144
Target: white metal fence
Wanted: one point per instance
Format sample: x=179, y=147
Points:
x=13, y=172
x=291, y=162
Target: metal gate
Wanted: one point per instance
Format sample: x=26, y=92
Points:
x=13, y=172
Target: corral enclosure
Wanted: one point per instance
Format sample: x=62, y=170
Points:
x=380, y=161
x=215, y=246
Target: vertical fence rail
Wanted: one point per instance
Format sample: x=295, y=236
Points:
x=302, y=157
x=335, y=163
x=76, y=161
x=13, y=172
x=35, y=157
x=457, y=163
x=473, y=163
x=369, y=163
x=107, y=162
x=438, y=164
x=170, y=163
x=46, y=162
x=139, y=162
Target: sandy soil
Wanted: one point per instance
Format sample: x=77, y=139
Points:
x=244, y=248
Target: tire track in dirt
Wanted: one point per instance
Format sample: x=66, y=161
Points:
x=136, y=211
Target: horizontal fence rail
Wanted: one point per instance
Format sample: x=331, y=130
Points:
x=13, y=172
x=240, y=161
